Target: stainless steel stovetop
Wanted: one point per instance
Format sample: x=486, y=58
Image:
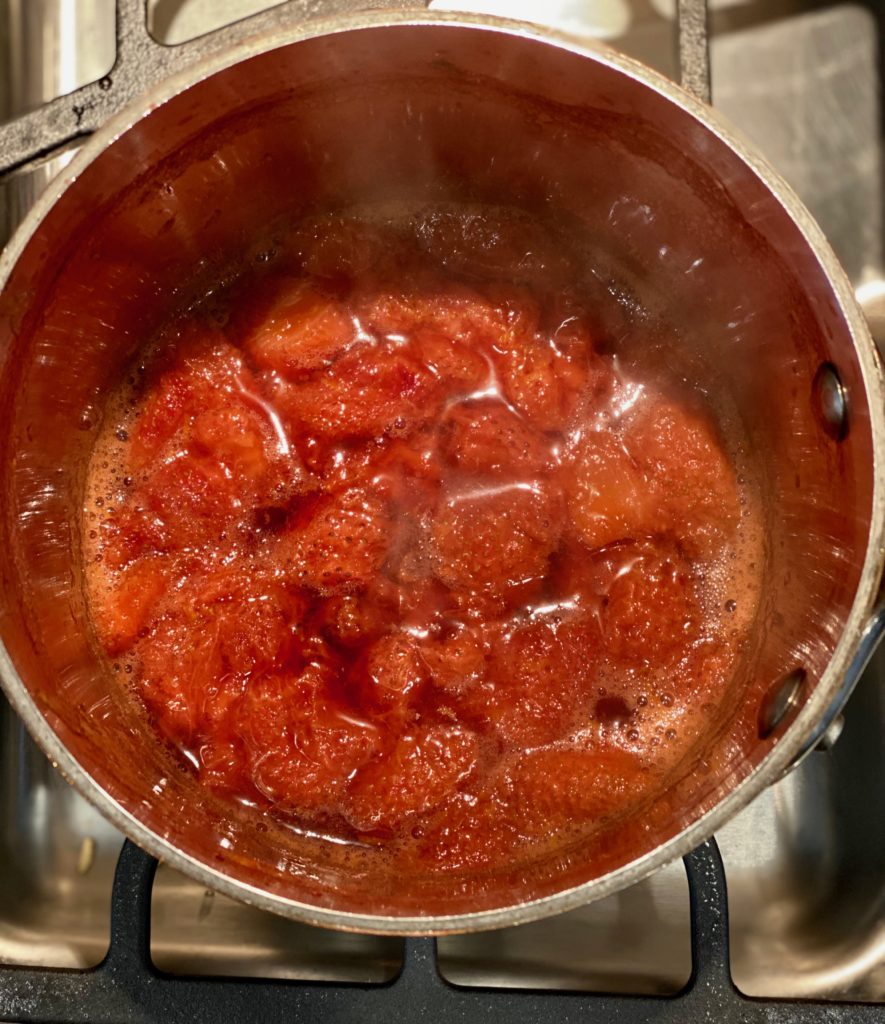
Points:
x=805, y=863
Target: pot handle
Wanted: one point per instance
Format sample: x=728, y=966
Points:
x=829, y=728
x=693, y=42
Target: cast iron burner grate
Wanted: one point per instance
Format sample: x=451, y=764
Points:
x=126, y=987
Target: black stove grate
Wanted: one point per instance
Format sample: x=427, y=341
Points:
x=126, y=987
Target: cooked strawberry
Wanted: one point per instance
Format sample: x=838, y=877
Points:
x=199, y=369
x=610, y=497
x=193, y=497
x=353, y=619
x=455, y=312
x=180, y=662
x=291, y=326
x=463, y=365
x=217, y=628
x=651, y=615
x=130, y=532
x=337, y=543
x=543, y=385
x=456, y=661
x=485, y=437
x=496, y=540
x=166, y=410
x=238, y=439
x=391, y=674
x=554, y=788
x=369, y=392
x=302, y=747
x=469, y=832
x=425, y=766
x=538, y=681
x=122, y=612
x=694, y=482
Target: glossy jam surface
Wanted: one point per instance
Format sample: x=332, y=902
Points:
x=388, y=544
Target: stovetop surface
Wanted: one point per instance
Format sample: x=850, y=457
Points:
x=805, y=863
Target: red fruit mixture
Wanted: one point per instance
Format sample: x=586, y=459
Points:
x=392, y=548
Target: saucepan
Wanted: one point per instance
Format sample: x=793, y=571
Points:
x=687, y=224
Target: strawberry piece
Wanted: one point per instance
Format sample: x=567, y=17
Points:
x=226, y=455
x=468, y=832
x=301, y=744
x=693, y=479
x=457, y=661
x=353, y=619
x=218, y=703
x=338, y=542
x=291, y=326
x=651, y=615
x=216, y=629
x=455, y=312
x=485, y=437
x=160, y=417
x=192, y=497
x=260, y=628
x=496, y=541
x=543, y=385
x=461, y=365
x=199, y=369
x=424, y=767
x=129, y=533
x=369, y=392
x=408, y=473
x=123, y=612
x=538, y=685
x=526, y=805
x=609, y=496
x=340, y=463
x=180, y=662
x=392, y=674
x=424, y=605
x=237, y=438
x=554, y=788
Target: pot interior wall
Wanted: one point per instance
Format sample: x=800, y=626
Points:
x=672, y=218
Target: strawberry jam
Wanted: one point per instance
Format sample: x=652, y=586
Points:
x=389, y=541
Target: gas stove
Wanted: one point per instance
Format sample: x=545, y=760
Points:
x=800, y=934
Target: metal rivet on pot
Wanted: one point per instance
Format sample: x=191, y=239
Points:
x=781, y=701
x=830, y=401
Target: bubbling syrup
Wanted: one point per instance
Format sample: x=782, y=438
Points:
x=387, y=542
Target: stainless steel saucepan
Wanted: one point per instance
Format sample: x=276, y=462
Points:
x=685, y=219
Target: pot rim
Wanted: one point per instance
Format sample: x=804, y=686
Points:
x=782, y=754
